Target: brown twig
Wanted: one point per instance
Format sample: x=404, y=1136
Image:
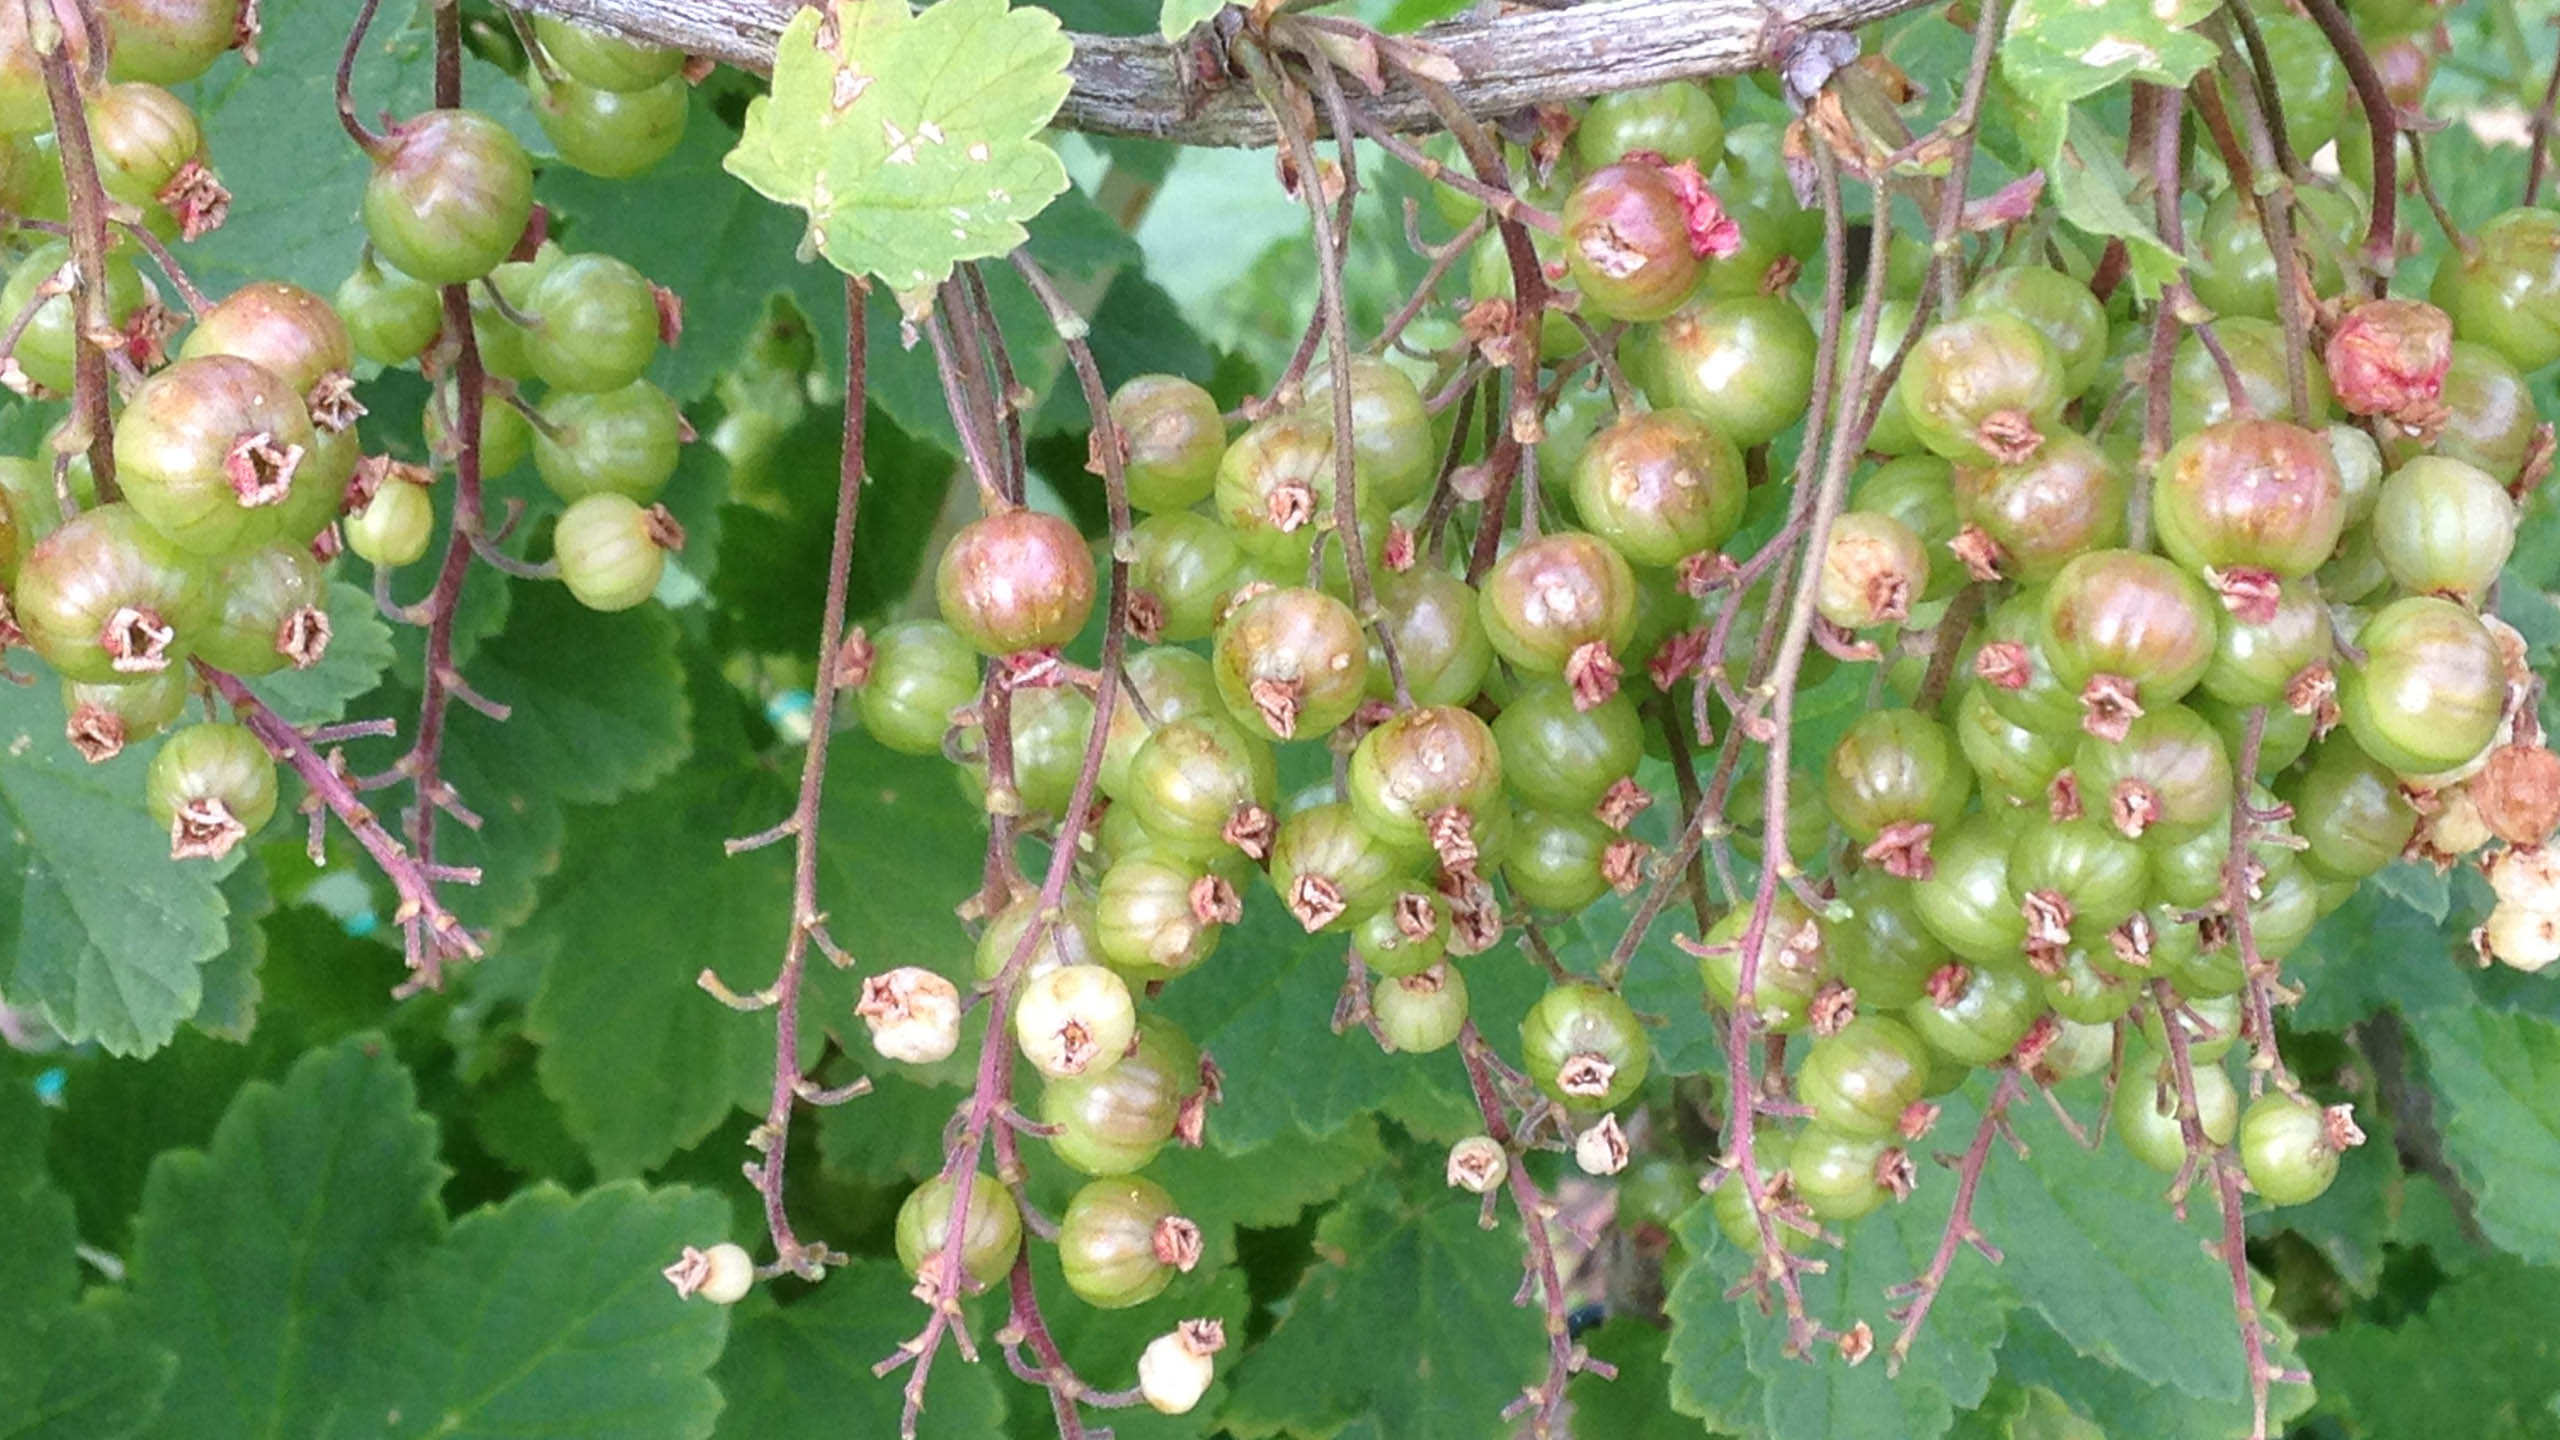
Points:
x=87, y=205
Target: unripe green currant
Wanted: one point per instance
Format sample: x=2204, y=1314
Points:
x=1172, y=438
x=1328, y=869
x=1112, y=1122
x=102, y=719
x=2428, y=696
x=623, y=442
x=1121, y=1241
x=614, y=134
x=595, y=324
x=1071, y=937
x=211, y=787
x=1423, y=1012
x=1846, y=1177
x=391, y=318
x=1393, y=456
x=1016, y=580
x=450, y=193
x=990, y=1229
x=611, y=552
x=1584, y=1047
x=1073, y=1019
x=603, y=60
x=395, y=526
x=1861, y=1079
x=1794, y=962
x=170, y=42
x=105, y=599
x=2146, y=1111
x=294, y=335
x=2289, y=1146
x=915, y=674
x=275, y=612
x=1291, y=663
x=211, y=451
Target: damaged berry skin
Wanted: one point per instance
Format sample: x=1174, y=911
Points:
x=269, y=600
x=1419, y=763
x=2067, y=501
x=2444, y=528
x=212, y=762
x=2259, y=494
x=104, y=561
x=1660, y=486
x=210, y=450
x=1014, y=581
x=1291, y=664
x=1983, y=389
x=2175, y=760
x=1553, y=595
x=1584, y=1047
x=1626, y=243
x=449, y=196
x=1896, y=767
x=2135, y=616
x=2429, y=694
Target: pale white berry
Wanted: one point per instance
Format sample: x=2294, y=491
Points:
x=1175, y=1370
x=2527, y=875
x=1074, y=1020
x=2525, y=939
x=2456, y=828
x=914, y=1014
x=722, y=1274
x=1602, y=1149
x=1477, y=1164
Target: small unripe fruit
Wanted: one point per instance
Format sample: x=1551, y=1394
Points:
x=1602, y=1148
x=1175, y=1370
x=2520, y=937
x=2289, y=1146
x=990, y=1229
x=211, y=787
x=1016, y=580
x=395, y=527
x=722, y=1274
x=914, y=1014
x=1478, y=1165
x=449, y=196
x=612, y=552
x=1074, y=1019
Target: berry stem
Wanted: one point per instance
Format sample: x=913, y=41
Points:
x=1959, y=1232
x=2262, y=83
x=87, y=203
x=1540, y=1272
x=373, y=145
x=2275, y=217
x=1946, y=243
x=2258, y=1011
x=2382, y=230
x=2538, y=153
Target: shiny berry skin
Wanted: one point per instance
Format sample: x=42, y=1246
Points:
x=2098, y=875
x=2254, y=661
x=1421, y=1013
x=2235, y=274
x=2444, y=528
x=2309, y=77
x=1185, y=566
x=1015, y=580
x=142, y=135
x=2489, y=415
x=500, y=338
x=1730, y=1201
x=105, y=599
x=1417, y=764
x=1976, y=1014
x=1677, y=121
x=2201, y=396
x=2085, y=986
x=1742, y=364
x=1919, y=491
x=1177, y=1367
x=1891, y=432
x=2289, y=1148
x=1275, y=485
x=449, y=196
x=596, y=324
x=1873, y=569
x=2018, y=679
x=614, y=134
x=622, y=442
x=1050, y=725
x=605, y=61
x=1393, y=452
x=1557, y=755
x=2428, y=696
x=1626, y=243
x=1882, y=951
x=1175, y=438
x=1328, y=870
x=1148, y=914
x=210, y=450
x=2009, y=761
x=1839, y=1177
x=2359, y=462
x=1074, y=1019
x=1291, y=664
x=2504, y=291
x=2068, y=500
x=1967, y=902
x=1439, y=636
x=990, y=1229
x=1407, y=935
x=1554, y=860
x=1113, y=1122
x=1171, y=683
x=1121, y=1241
x=294, y=334
x=2059, y=307
x=1983, y=389
x=1583, y=1046
x=2146, y=1111
x=2286, y=735
x=1895, y=767
x=395, y=526
x=211, y=786
x=1794, y=962
x=2351, y=812
x=1070, y=938
x=1191, y=777
x=2130, y=615
x=46, y=348
x=168, y=42
x=611, y=551
x=1552, y=596
x=1660, y=487
x=2166, y=779
x=1859, y=1080
x=2259, y=494
x=274, y=613
x=100, y=720
x=920, y=671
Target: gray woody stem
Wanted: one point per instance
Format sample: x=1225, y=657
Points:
x=1139, y=85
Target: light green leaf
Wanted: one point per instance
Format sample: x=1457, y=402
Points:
x=805, y=1368
x=2064, y=50
x=545, y=1316
x=2498, y=1076
x=2418, y=885
x=359, y=651
x=256, y=1260
x=1265, y=1188
x=1405, y=1318
x=910, y=139
x=2370, y=954
x=1180, y=17
x=2122, y=1405
x=77, y=1380
x=1629, y=1407
x=2090, y=186
x=100, y=931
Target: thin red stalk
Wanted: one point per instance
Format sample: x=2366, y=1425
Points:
x=370, y=143
x=1960, y=1231
x=2539, y=162
x=2381, y=236
x=1959, y=128
x=88, y=244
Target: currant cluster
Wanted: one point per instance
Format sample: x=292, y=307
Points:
x=233, y=428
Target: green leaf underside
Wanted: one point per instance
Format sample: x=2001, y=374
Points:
x=910, y=139
x=2498, y=1077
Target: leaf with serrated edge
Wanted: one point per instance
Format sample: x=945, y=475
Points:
x=78, y=1380
x=2066, y=49
x=2498, y=1077
x=1180, y=17
x=256, y=1259
x=100, y=931
x=805, y=1368
x=545, y=1315
x=2476, y=1363
x=2034, y=1355
x=911, y=140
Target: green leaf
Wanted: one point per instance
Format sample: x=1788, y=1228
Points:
x=2373, y=953
x=2418, y=885
x=2090, y=186
x=910, y=140
x=2498, y=1076
x=1180, y=17
x=805, y=1368
x=2064, y=50
x=38, y=1271
x=545, y=1316
x=1405, y=1318
x=77, y=1380
x=641, y=1061
x=256, y=1260
x=100, y=931
x=2124, y=1406
x=359, y=652
x=1629, y=1407
x=901, y=848
x=1266, y=1188
x=230, y=979
x=2479, y=1362
x=1103, y=1346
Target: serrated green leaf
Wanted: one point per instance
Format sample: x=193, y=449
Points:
x=77, y=1380
x=2480, y=1362
x=2034, y=1355
x=805, y=1368
x=229, y=1008
x=2498, y=1077
x=2370, y=954
x=2418, y=885
x=641, y=1061
x=1178, y=18
x=545, y=1316
x=256, y=1259
x=2064, y=50
x=38, y=1271
x=1629, y=1407
x=910, y=139
x=359, y=652
x=1405, y=1318
x=101, y=931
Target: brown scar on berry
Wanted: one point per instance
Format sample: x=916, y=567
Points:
x=1902, y=850
x=2108, y=707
